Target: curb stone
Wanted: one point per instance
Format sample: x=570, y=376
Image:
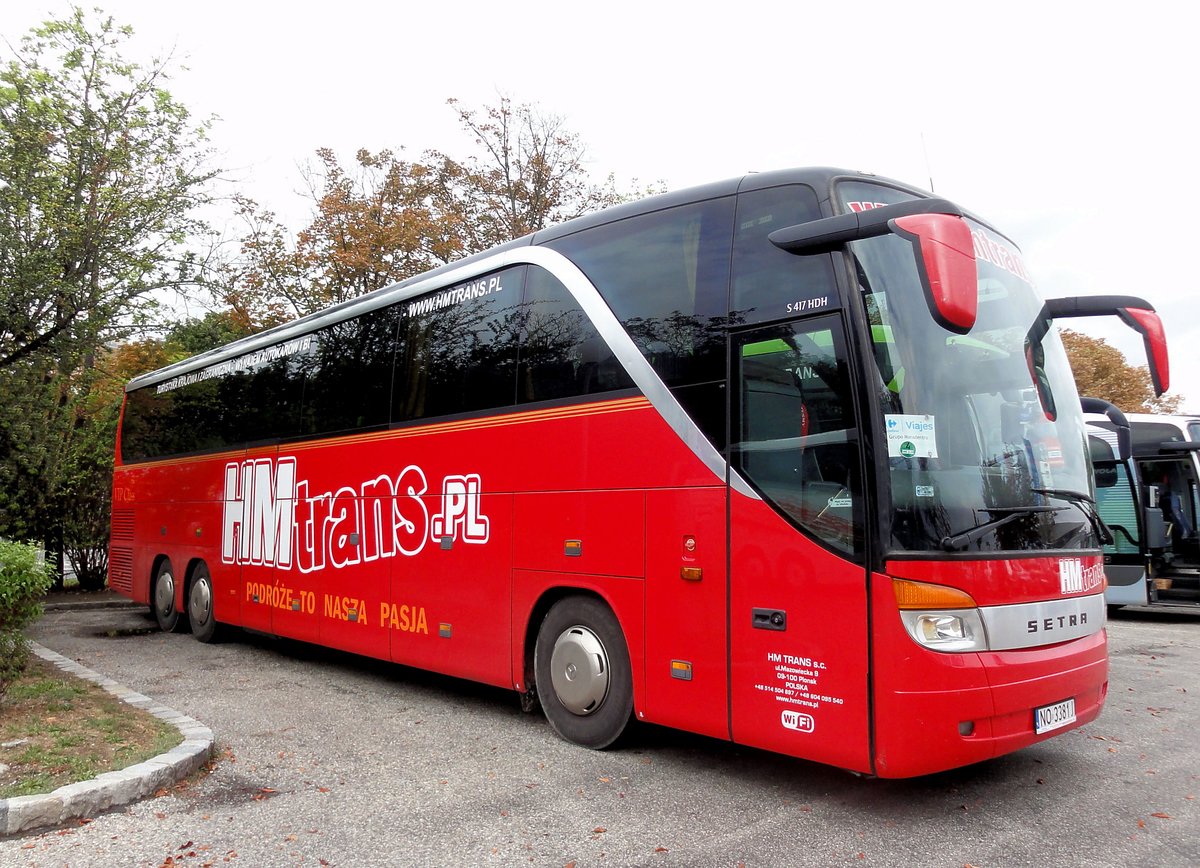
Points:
x=110, y=789
x=90, y=604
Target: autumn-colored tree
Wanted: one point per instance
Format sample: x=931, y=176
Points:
x=385, y=219
x=1101, y=371
x=379, y=222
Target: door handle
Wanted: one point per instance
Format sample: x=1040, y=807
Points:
x=768, y=619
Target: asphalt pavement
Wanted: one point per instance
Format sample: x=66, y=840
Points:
x=331, y=759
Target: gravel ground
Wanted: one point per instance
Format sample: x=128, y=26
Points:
x=327, y=758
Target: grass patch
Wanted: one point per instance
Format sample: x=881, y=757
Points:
x=72, y=731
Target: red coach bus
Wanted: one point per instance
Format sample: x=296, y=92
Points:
x=793, y=460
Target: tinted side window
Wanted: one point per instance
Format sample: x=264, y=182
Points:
x=458, y=348
x=794, y=433
x=665, y=275
x=769, y=283
x=256, y=404
x=248, y=399
x=562, y=354
x=146, y=424
x=348, y=373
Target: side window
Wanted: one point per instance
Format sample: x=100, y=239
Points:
x=347, y=373
x=458, y=348
x=562, y=355
x=665, y=275
x=249, y=399
x=769, y=283
x=794, y=434
x=259, y=403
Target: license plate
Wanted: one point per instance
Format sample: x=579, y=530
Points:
x=1051, y=717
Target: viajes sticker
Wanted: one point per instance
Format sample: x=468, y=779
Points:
x=910, y=436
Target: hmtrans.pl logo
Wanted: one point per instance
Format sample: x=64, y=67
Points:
x=1074, y=577
x=798, y=721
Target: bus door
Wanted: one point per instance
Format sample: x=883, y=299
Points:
x=1125, y=557
x=1170, y=487
x=798, y=580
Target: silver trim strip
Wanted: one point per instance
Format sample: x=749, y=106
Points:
x=1029, y=625
x=576, y=282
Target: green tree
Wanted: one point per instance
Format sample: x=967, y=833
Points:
x=1101, y=371
x=101, y=172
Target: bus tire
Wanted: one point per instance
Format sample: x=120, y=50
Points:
x=581, y=666
x=162, y=599
x=200, y=606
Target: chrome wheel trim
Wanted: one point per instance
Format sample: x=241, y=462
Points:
x=579, y=670
x=164, y=594
x=200, y=601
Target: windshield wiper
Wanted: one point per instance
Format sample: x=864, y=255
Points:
x=960, y=541
x=1086, y=504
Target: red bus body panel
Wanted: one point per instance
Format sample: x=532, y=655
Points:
x=922, y=696
x=817, y=667
x=601, y=499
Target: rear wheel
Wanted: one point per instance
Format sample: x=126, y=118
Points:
x=584, y=679
x=200, y=606
x=162, y=599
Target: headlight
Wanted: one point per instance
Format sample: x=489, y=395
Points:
x=946, y=630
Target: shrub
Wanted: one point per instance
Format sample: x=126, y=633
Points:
x=24, y=579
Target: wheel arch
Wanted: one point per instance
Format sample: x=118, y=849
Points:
x=623, y=596
x=190, y=573
x=538, y=614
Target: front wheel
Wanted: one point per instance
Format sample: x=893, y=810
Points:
x=200, y=606
x=581, y=666
x=162, y=599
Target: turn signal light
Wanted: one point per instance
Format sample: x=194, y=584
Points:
x=921, y=595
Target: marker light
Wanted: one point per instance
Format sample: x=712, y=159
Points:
x=938, y=617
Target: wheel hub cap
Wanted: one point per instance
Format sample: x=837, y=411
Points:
x=579, y=670
x=164, y=593
x=200, y=604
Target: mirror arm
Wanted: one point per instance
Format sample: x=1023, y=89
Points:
x=1124, y=436
x=820, y=236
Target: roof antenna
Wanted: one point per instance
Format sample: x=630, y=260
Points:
x=928, y=168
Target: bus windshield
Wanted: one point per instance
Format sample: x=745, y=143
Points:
x=978, y=459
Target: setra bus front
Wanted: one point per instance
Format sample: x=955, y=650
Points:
x=973, y=520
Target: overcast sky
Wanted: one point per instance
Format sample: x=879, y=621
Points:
x=1071, y=126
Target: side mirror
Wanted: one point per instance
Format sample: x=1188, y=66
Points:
x=1137, y=313
x=949, y=275
x=1148, y=324
x=942, y=246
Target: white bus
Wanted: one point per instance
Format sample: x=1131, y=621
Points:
x=1151, y=504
